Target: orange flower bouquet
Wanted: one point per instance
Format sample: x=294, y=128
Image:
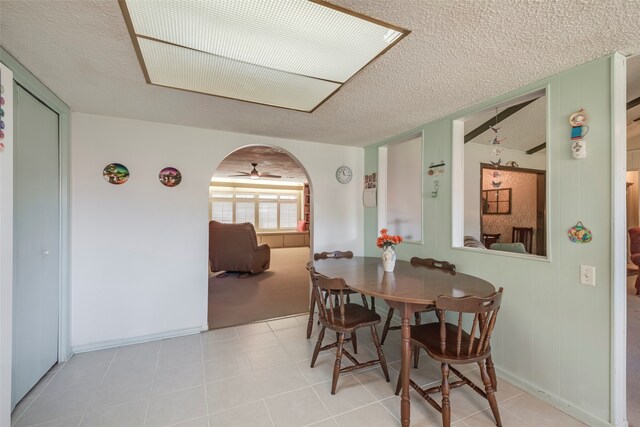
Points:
x=386, y=240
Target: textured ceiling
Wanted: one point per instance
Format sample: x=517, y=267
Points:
x=459, y=53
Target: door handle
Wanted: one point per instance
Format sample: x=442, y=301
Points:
x=45, y=252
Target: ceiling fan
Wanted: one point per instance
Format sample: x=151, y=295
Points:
x=254, y=174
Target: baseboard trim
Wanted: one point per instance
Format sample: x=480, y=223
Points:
x=135, y=340
x=556, y=401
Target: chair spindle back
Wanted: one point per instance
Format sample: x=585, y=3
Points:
x=331, y=306
x=523, y=235
x=484, y=311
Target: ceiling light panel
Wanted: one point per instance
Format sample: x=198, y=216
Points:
x=174, y=66
x=298, y=37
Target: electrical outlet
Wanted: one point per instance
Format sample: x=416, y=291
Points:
x=588, y=275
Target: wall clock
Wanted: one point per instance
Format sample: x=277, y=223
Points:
x=344, y=174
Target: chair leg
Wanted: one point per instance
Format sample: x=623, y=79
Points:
x=492, y=374
x=491, y=397
x=387, y=324
x=399, y=382
x=446, y=404
x=336, y=366
x=638, y=285
x=416, y=356
x=354, y=342
x=418, y=318
x=373, y=304
x=316, y=350
x=381, y=358
x=365, y=304
x=312, y=309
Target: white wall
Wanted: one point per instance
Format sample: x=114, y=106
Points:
x=404, y=189
x=474, y=154
x=139, y=250
x=6, y=248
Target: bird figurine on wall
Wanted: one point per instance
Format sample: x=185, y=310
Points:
x=496, y=184
x=496, y=164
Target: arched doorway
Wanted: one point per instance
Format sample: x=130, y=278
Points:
x=268, y=188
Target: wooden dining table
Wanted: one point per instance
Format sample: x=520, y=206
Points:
x=408, y=289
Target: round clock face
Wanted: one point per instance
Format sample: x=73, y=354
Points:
x=344, y=174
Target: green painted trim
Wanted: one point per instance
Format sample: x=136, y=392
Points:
x=24, y=78
x=618, y=368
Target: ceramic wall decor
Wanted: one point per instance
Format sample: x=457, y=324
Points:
x=170, y=177
x=436, y=169
x=116, y=173
x=579, y=130
x=579, y=233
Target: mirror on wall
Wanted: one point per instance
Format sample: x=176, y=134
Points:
x=505, y=176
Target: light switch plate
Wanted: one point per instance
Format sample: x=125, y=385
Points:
x=588, y=275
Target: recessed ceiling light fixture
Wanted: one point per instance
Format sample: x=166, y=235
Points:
x=292, y=54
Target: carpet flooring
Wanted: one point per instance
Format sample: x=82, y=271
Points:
x=283, y=290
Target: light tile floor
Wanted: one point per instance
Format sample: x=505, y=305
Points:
x=253, y=375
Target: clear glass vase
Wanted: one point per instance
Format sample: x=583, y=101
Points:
x=388, y=258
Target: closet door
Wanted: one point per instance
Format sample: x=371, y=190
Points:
x=37, y=242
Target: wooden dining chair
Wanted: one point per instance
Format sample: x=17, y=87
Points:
x=343, y=318
x=348, y=292
x=634, y=250
x=523, y=235
x=429, y=263
x=450, y=344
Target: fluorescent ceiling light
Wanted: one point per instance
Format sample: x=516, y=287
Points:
x=286, y=53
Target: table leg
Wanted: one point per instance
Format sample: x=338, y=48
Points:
x=405, y=405
x=406, y=311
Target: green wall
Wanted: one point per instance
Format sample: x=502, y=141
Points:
x=553, y=336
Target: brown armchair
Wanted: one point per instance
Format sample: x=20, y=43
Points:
x=234, y=247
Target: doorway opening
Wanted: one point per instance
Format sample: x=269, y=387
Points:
x=260, y=217
x=633, y=227
x=522, y=195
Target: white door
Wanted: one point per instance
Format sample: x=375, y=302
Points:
x=37, y=242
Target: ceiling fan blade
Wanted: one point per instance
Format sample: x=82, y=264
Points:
x=268, y=175
x=241, y=174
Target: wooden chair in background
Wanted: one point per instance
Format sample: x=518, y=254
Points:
x=450, y=344
x=523, y=235
x=489, y=239
x=343, y=318
x=429, y=263
x=634, y=248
